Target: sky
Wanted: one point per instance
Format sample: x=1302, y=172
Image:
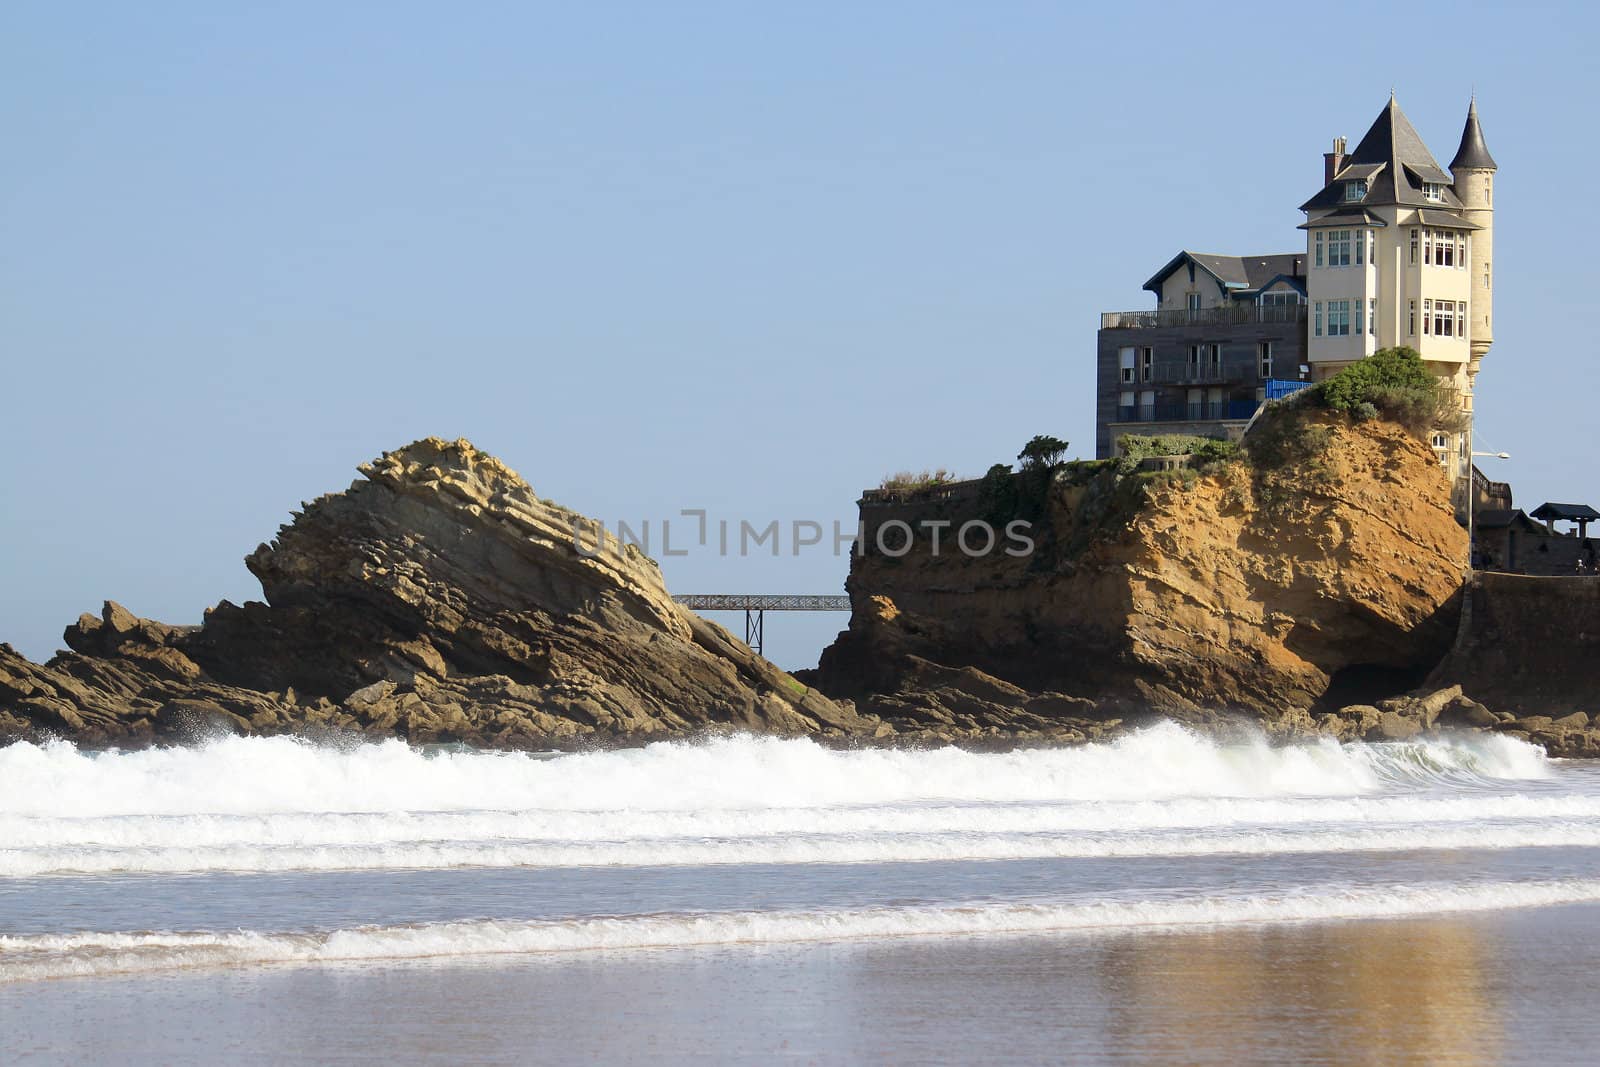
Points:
x=747, y=258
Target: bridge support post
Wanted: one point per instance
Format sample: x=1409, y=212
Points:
x=754, y=623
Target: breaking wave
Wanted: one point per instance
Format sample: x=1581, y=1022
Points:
x=24, y=958
x=252, y=804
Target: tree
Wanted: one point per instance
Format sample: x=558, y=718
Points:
x=1042, y=453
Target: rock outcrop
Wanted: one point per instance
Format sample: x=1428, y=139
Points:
x=437, y=599
x=1322, y=570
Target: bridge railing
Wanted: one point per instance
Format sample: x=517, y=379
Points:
x=762, y=602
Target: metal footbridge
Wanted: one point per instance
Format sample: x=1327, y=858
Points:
x=756, y=605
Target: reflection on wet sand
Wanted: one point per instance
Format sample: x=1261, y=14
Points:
x=1409, y=991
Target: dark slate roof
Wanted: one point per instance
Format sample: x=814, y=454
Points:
x=1445, y=220
x=1473, y=153
x=1355, y=217
x=1235, y=273
x=1406, y=164
x=1570, y=512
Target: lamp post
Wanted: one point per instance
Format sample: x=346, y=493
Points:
x=1472, y=491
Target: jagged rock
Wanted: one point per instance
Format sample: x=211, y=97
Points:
x=1392, y=726
x=1465, y=712
x=438, y=599
x=1428, y=707
x=1576, y=721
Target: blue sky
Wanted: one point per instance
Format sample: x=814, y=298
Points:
x=725, y=256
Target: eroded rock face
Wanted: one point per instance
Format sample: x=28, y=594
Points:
x=1322, y=574
x=437, y=599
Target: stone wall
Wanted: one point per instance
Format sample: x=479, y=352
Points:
x=1530, y=645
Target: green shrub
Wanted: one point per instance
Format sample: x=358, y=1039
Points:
x=1387, y=368
x=1393, y=382
x=913, y=480
x=1207, y=451
x=997, y=494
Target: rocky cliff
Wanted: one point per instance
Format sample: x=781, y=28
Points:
x=1319, y=569
x=437, y=599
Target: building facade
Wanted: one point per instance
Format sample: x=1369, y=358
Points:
x=1227, y=332
x=1398, y=251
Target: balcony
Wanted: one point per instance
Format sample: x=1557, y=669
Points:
x=1206, y=412
x=1205, y=372
x=1231, y=315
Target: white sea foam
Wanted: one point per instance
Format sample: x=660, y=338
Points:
x=24, y=958
x=281, y=805
x=798, y=849
x=275, y=775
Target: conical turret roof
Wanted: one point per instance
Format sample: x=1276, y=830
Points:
x=1473, y=153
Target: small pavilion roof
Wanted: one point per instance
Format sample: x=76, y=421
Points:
x=1569, y=512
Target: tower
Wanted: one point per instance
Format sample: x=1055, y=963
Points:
x=1472, y=172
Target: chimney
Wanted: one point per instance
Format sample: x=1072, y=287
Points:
x=1333, y=162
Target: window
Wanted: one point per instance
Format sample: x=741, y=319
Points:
x=1125, y=399
x=1194, y=359
x=1372, y=246
x=1194, y=302
x=1427, y=317
x=1356, y=190
x=1125, y=359
x=1147, y=363
x=1411, y=319
x=1338, y=318
x=1361, y=244
x=1441, y=445
x=1413, y=248
x=1264, y=352
x=1461, y=318
x=1338, y=248
x=1282, y=299
x=1319, y=248
x=1486, y=274
x=1488, y=190
x=1445, y=318
x=1433, y=191
x=1216, y=359
x=1360, y=316
x=1372, y=315
x=1443, y=248
x=1319, y=318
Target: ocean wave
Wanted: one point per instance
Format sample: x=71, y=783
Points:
x=243, y=776
x=25, y=958
x=799, y=848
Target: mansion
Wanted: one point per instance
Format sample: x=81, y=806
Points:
x=1398, y=251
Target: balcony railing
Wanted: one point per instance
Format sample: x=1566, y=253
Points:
x=1205, y=372
x=1228, y=315
x=1205, y=412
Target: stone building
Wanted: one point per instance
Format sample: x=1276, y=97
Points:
x=1398, y=251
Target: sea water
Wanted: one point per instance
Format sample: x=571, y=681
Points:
x=1161, y=898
